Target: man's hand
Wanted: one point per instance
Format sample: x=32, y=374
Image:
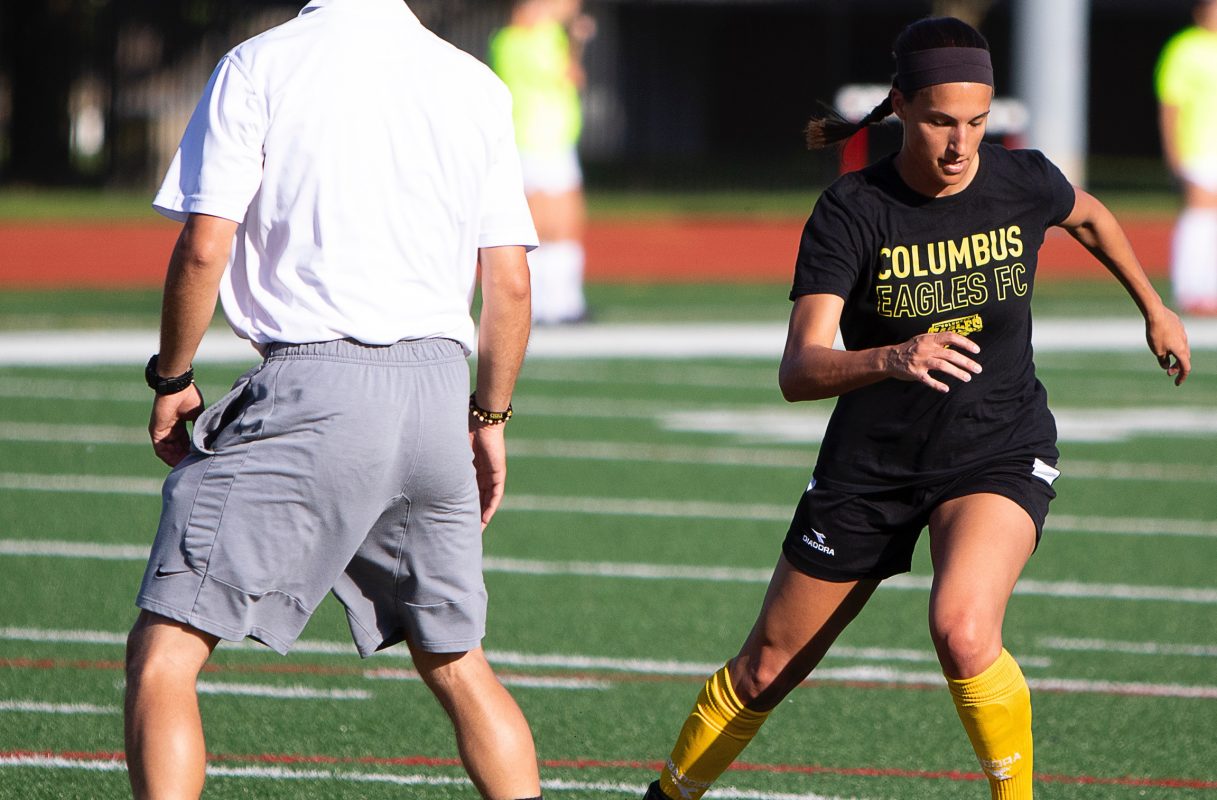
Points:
x=167, y=426
x=490, y=464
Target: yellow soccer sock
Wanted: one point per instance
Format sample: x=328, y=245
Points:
x=718, y=728
x=995, y=708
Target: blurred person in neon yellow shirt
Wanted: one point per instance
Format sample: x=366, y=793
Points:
x=1186, y=82
x=538, y=56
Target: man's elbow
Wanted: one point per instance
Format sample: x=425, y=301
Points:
x=517, y=286
x=204, y=246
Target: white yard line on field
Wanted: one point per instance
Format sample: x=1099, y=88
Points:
x=670, y=667
x=84, y=389
x=523, y=681
x=641, y=507
x=703, y=377
x=877, y=674
x=280, y=692
x=87, y=484
x=642, y=452
x=889, y=675
x=806, y=425
x=1128, y=648
x=34, y=707
x=619, y=340
x=696, y=509
x=603, y=569
x=1131, y=526
x=529, y=448
x=281, y=773
x=77, y=434
x=1139, y=472
x=60, y=549
x=502, y=657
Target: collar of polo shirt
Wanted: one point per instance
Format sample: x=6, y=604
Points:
x=394, y=5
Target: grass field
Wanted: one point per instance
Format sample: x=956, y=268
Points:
x=647, y=500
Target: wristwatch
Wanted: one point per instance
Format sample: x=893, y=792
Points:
x=163, y=386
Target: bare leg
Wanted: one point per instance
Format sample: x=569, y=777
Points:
x=979, y=545
x=799, y=620
x=557, y=266
x=166, y=757
x=1197, y=196
x=1193, y=260
x=492, y=735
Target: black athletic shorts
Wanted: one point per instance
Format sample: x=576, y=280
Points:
x=843, y=536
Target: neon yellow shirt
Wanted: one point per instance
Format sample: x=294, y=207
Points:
x=1186, y=77
x=535, y=63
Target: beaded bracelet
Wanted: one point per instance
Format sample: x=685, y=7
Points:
x=488, y=417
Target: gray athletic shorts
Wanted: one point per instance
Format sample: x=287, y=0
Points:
x=333, y=465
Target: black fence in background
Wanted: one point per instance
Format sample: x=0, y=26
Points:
x=681, y=93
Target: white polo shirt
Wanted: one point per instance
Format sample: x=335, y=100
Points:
x=367, y=160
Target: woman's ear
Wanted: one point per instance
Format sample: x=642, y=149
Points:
x=897, y=103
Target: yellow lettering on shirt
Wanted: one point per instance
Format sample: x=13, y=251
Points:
x=951, y=275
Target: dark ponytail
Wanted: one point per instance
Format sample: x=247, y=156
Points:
x=827, y=127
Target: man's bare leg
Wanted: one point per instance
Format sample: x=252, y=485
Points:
x=166, y=757
x=492, y=735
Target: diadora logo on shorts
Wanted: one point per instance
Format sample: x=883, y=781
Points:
x=818, y=543
x=1000, y=768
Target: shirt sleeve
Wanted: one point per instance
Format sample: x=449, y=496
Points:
x=505, y=218
x=217, y=168
x=1061, y=196
x=830, y=251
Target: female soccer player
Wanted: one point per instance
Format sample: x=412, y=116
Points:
x=925, y=261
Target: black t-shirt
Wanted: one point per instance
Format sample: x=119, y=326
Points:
x=907, y=264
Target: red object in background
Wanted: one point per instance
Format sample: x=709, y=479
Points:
x=855, y=154
x=85, y=254
x=673, y=250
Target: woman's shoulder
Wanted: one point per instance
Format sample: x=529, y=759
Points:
x=876, y=178
x=1016, y=162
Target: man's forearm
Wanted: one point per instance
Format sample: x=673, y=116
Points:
x=504, y=324
x=191, y=285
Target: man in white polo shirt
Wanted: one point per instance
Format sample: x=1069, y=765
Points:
x=340, y=182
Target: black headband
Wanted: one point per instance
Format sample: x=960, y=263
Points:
x=943, y=65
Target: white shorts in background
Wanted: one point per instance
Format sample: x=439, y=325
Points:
x=1203, y=175
x=551, y=173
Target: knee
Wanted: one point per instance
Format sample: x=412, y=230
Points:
x=762, y=679
x=966, y=644
x=156, y=655
x=448, y=674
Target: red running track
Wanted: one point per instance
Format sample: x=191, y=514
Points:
x=672, y=250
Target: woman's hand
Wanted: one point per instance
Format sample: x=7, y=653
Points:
x=915, y=359
x=1167, y=339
